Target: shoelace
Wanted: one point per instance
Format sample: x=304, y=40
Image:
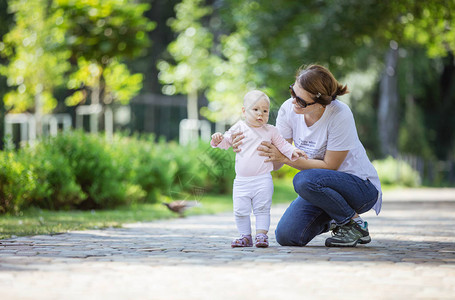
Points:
x=339, y=231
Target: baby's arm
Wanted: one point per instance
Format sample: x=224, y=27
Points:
x=224, y=141
x=217, y=137
x=220, y=141
x=286, y=148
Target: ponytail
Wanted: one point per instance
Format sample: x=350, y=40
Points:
x=318, y=80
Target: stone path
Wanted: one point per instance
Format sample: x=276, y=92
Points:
x=412, y=256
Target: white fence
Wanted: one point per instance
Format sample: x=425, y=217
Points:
x=27, y=126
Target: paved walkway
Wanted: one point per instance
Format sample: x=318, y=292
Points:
x=412, y=256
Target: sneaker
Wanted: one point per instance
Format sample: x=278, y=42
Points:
x=332, y=225
x=348, y=235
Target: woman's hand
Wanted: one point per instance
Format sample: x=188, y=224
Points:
x=237, y=141
x=272, y=152
x=299, y=153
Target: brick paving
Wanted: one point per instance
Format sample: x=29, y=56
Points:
x=411, y=256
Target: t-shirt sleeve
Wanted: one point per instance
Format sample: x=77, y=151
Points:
x=342, y=133
x=283, y=122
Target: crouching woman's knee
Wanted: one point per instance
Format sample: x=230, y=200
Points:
x=304, y=182
x=287, y=235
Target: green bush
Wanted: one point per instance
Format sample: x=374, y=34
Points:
x=143, y=165
x=191, y=176
x=285, y=172
x=94, y=169
x=17, y=183
x=218, y=165
x=56, y=186
x=83, y=171
x=396, y=172
x=160, y=168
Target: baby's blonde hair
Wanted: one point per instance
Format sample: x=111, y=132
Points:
x=253, y=96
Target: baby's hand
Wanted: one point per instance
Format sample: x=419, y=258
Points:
x=217, y=137
x=299, y=153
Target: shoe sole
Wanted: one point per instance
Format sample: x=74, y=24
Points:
x=330, y=244
x=262, y=245
x=362, y=240
x=237, y=246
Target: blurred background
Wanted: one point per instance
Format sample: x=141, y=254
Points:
x=175, y=71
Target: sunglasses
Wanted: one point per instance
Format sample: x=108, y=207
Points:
x=302, y=103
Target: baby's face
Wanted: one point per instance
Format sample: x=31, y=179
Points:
x=257, y=113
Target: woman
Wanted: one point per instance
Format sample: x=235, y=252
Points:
x=338, y=181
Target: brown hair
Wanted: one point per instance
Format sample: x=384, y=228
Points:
x=318, y=80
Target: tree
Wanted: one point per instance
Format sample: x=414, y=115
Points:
x=36, y=65
x=100, y=34
x=5, y=22
x=92, y=37
x=191, y=52
x=346, y=36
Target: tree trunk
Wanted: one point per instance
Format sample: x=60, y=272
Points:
x=38, y=115
x=192, y=105
x=388, y=104
x=95, y=100
x=446, y=108
x=189, y=129
x=2, y=121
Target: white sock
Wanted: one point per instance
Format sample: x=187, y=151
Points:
x=359, y=221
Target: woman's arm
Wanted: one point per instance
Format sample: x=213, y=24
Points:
x=332, y=159
x=278, y=164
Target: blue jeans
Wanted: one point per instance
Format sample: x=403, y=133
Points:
x=323, y=195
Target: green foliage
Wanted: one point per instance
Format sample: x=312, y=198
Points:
x=35, y=65
x=396, y=172
x=121, y=86
x=430, y=24
x=93, y=168
x=219, y=165
x=412, y=134
x=195, y=67
x=100, y=30
x=190, y=175
x=143, y=163
x=164, y=169
x=83, y=171
x=40, y=221
x=100, y=34
x=17, y=183
x=285, y=172
x=232, y=80
x=56, y=185
x=92, y=36
x=190, y=50
x=254, y=45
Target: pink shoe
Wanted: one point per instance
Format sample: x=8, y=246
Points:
x=243, y=241
x=262, y=240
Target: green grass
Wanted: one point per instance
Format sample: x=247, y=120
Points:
x=38, y=221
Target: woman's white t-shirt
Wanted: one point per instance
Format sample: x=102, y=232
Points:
x=334, y=131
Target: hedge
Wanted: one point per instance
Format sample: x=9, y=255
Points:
x=76, y=170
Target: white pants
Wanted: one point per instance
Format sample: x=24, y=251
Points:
x=255, y=193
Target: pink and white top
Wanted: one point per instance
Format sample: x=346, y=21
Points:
x=248, y=162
